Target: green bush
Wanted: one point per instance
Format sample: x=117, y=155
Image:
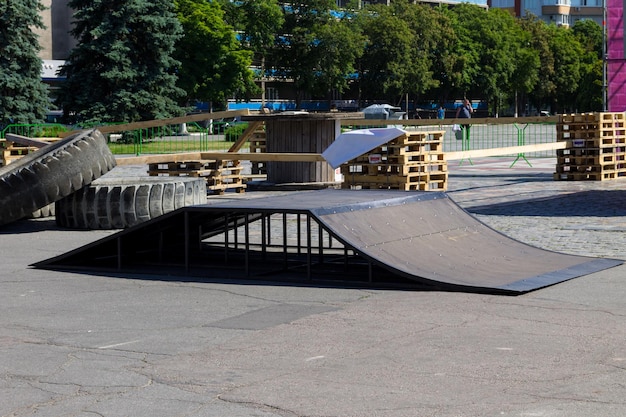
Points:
x=51, y=131
x=233, y=133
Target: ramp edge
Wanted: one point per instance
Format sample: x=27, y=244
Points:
x=566, y=274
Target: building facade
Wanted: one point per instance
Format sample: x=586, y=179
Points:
x=560, y=12
x=56, y=41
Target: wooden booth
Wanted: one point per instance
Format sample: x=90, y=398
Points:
x=300, y=132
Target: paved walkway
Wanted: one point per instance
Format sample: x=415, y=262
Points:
x=88, y=345
x=582, y=218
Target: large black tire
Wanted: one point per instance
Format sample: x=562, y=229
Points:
x=117, y=203
x=51, y=173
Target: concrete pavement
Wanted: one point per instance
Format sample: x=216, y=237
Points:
x=84, y=345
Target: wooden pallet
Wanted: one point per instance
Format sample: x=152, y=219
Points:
x=413, y=161
x=578, y=152
x=11, y=151
x=392, y=169
x=565, y=169
x=258, y=144
x=588, y=176
x=591, y=126
x=422, y=181
x=219, y=175
x=440, y=185
x=598, y=147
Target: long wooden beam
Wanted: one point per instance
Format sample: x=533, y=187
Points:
x=26, y=141
x=221, y=156
x=479, y=153
x=165, y=122
x=447, y=122
x=252, y=127
x=315, y=157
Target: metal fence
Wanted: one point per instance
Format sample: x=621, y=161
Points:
x=487, y=133
x=189, y=137
x=45, y=130
x=488, y=136
x=218, y=136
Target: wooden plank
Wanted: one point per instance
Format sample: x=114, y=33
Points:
x=165, y=122
x=211, y=156
x=315, y=157
x=446, y=122
x=279, y=156
x=24, y=140
x=155, y=159
x=252, y=127
x=478, y=153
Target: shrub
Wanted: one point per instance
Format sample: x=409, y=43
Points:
x=51, y=131
x=233, y=132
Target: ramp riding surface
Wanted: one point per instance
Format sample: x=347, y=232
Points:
x=419, y=237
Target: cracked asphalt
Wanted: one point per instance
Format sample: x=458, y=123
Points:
x=98, y=345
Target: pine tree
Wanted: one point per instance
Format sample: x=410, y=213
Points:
x=23, y=96
x=122, y=69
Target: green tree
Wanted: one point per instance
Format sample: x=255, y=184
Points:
x=539, y=36
x=447, y=63
x=341, y=44
x=525, y=77
x=122, y=69
x=589, y=96
x=493, y=37
x=427, y=32
x=567, y=53
x=214, y=65
x=23, y=96
x=385, y=67
x=260, y=21
x=314, y=48
x=466, y=19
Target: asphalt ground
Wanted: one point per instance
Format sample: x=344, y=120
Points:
x=101, y=345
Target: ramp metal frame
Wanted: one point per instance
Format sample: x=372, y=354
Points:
x=346, y=237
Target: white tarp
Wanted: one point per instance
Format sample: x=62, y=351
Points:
x=355, y=143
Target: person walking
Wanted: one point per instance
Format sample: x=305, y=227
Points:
x=465, y=111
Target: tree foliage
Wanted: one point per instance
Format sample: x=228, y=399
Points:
x=213, y=67
x=125, y=65
x=23, y=96
x=567, y=72
x=590, y=94
x=315, y=48
x=397, y=62
x=122, y=69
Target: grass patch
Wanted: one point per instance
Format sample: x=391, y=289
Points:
x=164, y=146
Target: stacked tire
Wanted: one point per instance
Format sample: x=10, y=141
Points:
x=117, y=203
x=39, y=179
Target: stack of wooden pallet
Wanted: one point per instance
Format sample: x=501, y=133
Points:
x=257, y=145
x=413, y=161
x=598, y=147
x=219, y=175
x=12, y=151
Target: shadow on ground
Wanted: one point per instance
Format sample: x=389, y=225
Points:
x=593, y=203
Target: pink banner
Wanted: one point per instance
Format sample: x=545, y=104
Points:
x=616, y=64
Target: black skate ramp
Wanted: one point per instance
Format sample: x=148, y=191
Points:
x=368, y=237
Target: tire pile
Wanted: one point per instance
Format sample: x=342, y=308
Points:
x=61, y=179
